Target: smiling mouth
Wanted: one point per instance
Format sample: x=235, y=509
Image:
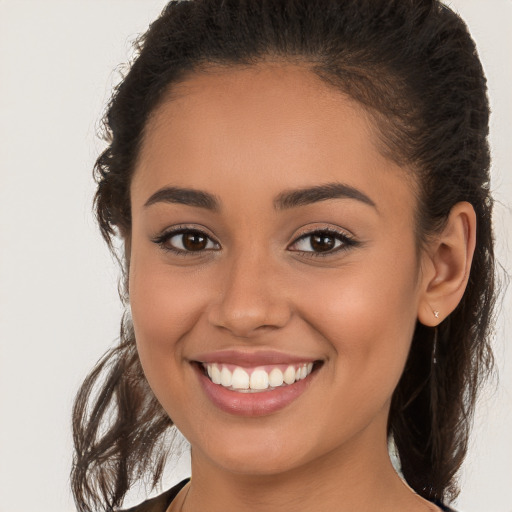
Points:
x=257, y=379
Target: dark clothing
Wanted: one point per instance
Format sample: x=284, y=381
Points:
x=161, y=502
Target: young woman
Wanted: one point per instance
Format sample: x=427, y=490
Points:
x=302, y=190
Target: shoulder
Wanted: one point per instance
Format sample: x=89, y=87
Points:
x=158, y=503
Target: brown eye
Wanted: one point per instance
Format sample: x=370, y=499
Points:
x=182, y=241
x=323, y=243
x=194, y=241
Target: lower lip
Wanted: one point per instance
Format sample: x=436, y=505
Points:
x=252, y=404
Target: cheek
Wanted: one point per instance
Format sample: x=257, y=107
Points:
x=165, y=306
x=367, y=314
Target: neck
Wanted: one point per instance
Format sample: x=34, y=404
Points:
x=356, y=478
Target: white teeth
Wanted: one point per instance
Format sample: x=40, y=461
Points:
x=275, y=378
x=240, y=379
x=216, y=378
x=289, y=375
x=225, y=377
x=259, y=380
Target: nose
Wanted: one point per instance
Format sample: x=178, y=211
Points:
x=252, y=298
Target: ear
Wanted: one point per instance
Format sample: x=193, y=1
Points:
x=446, y=264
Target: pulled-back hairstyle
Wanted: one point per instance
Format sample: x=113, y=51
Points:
x=414, y=68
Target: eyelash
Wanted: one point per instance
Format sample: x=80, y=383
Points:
x=347, y=241
x=162, y=239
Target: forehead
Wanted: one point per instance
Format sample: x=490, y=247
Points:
x=270, y=126
x=283, y=104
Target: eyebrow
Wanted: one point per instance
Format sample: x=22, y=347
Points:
x=187, y=196
x=300, y=197
x=284, y=201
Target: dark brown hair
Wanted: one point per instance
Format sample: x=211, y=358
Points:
x=413, y=66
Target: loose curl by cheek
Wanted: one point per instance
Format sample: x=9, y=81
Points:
x=118, y=426
x=414, y=67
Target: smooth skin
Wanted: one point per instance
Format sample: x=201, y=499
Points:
x=245, y=136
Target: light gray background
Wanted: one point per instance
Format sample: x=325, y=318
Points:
x=59, y=309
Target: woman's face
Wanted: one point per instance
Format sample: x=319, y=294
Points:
x=271, y=271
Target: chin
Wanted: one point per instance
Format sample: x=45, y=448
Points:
x=262, y=454
x=260, y=465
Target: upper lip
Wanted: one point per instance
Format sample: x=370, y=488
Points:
x=259, y=358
